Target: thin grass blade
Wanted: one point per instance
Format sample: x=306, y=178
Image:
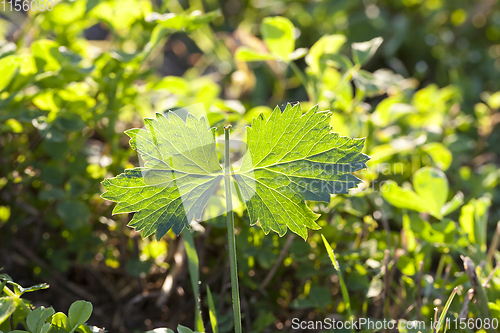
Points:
x=343, y=287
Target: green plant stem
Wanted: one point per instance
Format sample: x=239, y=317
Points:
x=16, y=298
x=9, y=292
x=230, y=236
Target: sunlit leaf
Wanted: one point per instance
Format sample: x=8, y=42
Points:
x=180, y=172
x=9, y=67
x=363, y=52
x=298, y=53
x=440, y=155
x=474, y=219
x=278, y=34
x=247, y=54
x=321, y=50
x=212, y=312
x=47, y=55
x=291, y=158
x=453, y=204
x=430, y=195
x=402, y=197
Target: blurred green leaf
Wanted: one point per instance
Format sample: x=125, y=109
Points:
x=137, y=267
x=4, y=213
x=321, y=50
x=278, y=34
x=363, y=52
x=493, y=100
x=441, y=156
x=474, y=221
x=453, y=204
x=402, y=197
x=212, y=312
x=432, y=186
x=73, y=213
x=298, y=53
x=9, y=68
x=247, y=54
x=47, y=55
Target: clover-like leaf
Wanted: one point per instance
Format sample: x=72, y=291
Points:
x=180, y=173
x=79, y=313
x=430, y=195
x=37, y=318
x=291, y=158
x=60, y=323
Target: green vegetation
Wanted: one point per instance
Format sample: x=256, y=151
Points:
x=415, y=84
x=291, y=158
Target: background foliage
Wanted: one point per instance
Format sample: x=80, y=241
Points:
x=73, y=79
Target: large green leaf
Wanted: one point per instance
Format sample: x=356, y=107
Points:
x=363, y=52
x=474, y=221
x=180, y=173
x=292, y=158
